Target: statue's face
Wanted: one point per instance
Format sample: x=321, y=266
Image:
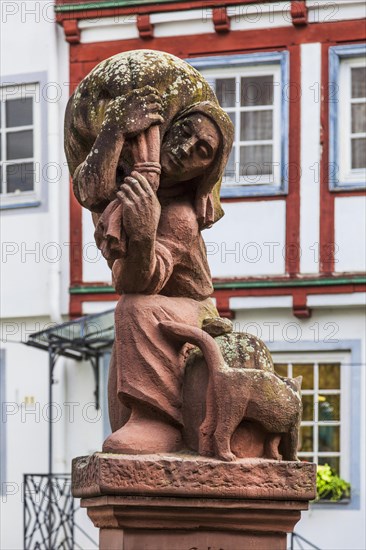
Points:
x=188, y=150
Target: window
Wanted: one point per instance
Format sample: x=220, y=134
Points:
x=19, y=144
x=347, y=97
x=325, y=429
x=252, y=89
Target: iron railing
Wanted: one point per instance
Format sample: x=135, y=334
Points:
x=50, y=514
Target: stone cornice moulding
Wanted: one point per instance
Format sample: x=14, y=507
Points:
x=134, y=24
x=159, y=19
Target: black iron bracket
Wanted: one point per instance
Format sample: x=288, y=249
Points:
x=94, y=361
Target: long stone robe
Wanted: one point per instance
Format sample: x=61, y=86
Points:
x=145, y=365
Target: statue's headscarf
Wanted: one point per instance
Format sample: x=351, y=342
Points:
x=207, y=201
x=183, y=90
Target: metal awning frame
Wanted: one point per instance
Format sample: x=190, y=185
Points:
x=85, y=347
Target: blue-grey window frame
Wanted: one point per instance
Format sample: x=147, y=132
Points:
x=246, y=60
x=354, y=348
x=3, y=424
x=336, y=54
x=39, y=78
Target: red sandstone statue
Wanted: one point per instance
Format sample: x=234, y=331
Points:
x=147, y=143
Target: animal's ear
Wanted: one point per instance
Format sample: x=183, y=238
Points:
x=298, y=381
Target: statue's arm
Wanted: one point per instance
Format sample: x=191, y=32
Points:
x=126, y=116
x=94, y=180
x=142, y=266
x=150, y=281
x=158, y=243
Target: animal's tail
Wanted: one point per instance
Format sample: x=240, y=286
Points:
x=185, y=333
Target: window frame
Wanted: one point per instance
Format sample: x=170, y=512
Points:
x=341, y=175
x=352, y=400
x=344, y=422
x=30, y=85
x=3, y=437
x=256, y=61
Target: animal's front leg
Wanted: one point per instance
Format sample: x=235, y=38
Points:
x=271, y=446
x=291, y=443
x=222, y=446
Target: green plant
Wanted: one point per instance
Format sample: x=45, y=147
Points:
x=329, y=486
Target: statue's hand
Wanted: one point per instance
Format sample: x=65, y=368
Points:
x=134, y=112
x=141, y=208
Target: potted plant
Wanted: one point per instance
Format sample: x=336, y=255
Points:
x=329, y=486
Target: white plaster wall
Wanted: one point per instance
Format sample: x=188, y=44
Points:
x=37, y=284
x=335, y=529
x=26, y=30
x=182, y=22
x=77, y=430
x=248, y=241
x=108, y=28
x=337, y=10
x=26, y=425
x=310, y=157
x=25, y=263
x=259, y=16
x=90, y=308
x=350, y=234
x=95, y=267
x=83, y=426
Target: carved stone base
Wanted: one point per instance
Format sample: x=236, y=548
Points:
x=187, y=502
x=162, y=523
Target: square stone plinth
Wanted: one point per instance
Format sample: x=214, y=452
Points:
x=191, y=476
x=187, y=502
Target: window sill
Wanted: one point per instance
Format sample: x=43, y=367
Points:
x=25, y=204
x=242, y=191
x=351, y=186
x=327, y=504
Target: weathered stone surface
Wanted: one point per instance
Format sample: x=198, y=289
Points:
x=147, y=143
x=193, y=476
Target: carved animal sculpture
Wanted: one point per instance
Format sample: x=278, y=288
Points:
x=237, y=394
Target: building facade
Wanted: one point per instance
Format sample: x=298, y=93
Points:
x=288, y=258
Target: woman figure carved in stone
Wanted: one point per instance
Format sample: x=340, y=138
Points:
x=148, y=226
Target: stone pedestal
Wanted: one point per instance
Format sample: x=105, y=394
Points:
x=185, y=502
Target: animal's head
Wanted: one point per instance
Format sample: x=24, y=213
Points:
x=294, y=383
